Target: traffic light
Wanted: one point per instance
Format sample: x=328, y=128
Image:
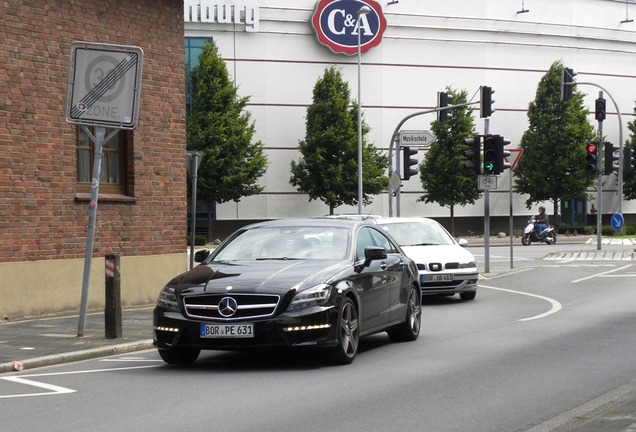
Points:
x=490, y=154
x=590, y=159
x=442, y=101
x=609, y=158
x=473, y=154
x=485, y=102
x=502, y=154
x=408, y=162
x=627, y=160
x=567, y=84
x=599, y=111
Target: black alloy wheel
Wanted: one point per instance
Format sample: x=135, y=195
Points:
x=409, y=330
x=348, y=333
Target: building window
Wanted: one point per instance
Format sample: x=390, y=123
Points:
x=112, y=176
x=193, y=47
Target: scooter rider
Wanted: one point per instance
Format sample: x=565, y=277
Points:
x=541, y=221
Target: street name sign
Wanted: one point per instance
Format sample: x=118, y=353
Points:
x=417, y=138
x=104, y=85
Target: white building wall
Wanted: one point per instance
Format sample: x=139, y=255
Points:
x=426, y=47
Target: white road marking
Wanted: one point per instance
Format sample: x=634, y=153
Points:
x=53, y=389
x=556, y=306
x=600, y=274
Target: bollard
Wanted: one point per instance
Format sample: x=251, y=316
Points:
x=112, y=308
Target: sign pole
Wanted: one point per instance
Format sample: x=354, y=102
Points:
x=92, y=217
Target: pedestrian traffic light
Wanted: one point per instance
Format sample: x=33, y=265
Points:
x=627, y=159
x=473, y=154
x=486, y=101
x=490, y=154
x=599, y=111
x=590, y=159
x=408, y=162
x=502, y=154
x=443, y=100
x=567, y=84
x=610, y=158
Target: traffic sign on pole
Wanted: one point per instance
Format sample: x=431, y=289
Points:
x=104, y=85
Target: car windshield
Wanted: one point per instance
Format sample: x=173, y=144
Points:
x=286, y=243
x=418, y=234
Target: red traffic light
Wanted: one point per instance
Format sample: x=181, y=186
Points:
x=591, y=148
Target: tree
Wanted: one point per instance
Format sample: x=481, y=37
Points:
x=445, y=179
x=629, y=176
x=552, y=167
x=328, y=167
x=218, y=126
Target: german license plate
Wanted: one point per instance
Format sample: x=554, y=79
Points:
x=226, y=330
x=436, y=278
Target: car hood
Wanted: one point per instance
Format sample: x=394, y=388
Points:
x=271, y=276
x=438, y=253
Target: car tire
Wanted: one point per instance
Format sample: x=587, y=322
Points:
x=348, y=333
x=468, y=295
x=409, y=330
x=179, y=356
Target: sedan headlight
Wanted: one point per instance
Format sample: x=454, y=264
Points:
x=168, y=299
x=471, y=264
x=315, y=296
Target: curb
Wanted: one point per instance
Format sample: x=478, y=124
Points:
x=74, y=356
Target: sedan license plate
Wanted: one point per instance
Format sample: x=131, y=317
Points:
x=436, y=278
x=227, y=330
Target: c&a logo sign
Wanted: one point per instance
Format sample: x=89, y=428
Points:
x=336, y=25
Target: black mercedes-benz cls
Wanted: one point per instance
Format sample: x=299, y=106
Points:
x=321, y=283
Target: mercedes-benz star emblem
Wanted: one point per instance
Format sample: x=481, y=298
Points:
x=227, y=307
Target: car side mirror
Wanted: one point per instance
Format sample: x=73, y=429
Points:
x=372, y=253
x=201, y=255
x=462, y=242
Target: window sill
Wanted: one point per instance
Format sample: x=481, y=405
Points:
x=86, y=197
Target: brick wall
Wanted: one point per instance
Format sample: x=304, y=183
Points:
x=42, y=215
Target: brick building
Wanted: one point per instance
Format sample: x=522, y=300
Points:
x=46, y=163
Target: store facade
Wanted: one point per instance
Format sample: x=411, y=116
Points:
x=276, y=52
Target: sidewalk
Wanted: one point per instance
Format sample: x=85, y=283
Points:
x=51, y=341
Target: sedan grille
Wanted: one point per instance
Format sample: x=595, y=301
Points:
x=230, y=307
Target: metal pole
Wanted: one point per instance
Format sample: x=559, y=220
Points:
x=92, y=216
x=599, y=182
x=487, y=213
x=194, y=164
x=511, y=220
x=362, y=11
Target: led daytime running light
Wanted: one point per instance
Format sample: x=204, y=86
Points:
x=308, y=327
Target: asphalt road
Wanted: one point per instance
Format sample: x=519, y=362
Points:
x=539, y=340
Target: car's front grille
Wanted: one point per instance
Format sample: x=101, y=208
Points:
x=243, y=306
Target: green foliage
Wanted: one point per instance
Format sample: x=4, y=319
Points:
x=199, y=240
x=629, y=177
x=445, y=179
x=218, y=126
x=552, y=166
x=328, y=167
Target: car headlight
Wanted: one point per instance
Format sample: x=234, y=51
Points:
x=471, y=264
x=315, y=296
x=168, y=299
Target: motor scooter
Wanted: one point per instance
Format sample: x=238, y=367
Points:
x=530, y=235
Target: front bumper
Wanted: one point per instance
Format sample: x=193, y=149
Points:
x=461, y=282
x=311, y=327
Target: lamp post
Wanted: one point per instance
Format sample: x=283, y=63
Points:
x=362, y=11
